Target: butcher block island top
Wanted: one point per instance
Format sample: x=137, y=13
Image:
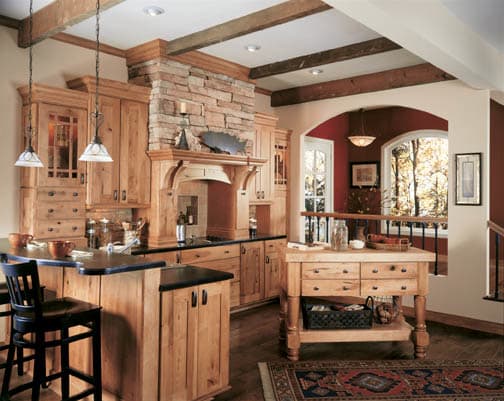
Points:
x=353, y=273
x=143, y=305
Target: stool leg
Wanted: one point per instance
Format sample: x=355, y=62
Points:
x=8, y=367
x=39, y=369
x=97, y=359
x=20, y=362
x=65, y=378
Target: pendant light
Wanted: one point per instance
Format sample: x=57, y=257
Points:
x=96, y=150
x=362, y=139
x=29, y=158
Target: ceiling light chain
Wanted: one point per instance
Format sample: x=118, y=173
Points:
x=362, y=139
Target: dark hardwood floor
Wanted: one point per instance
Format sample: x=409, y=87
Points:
x=254, y=338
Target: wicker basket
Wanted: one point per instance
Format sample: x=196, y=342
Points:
x=335, y=319
x=386, y=309
x=403, y=246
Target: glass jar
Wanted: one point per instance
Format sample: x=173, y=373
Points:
x=339, y=237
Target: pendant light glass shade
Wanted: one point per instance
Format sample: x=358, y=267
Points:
x=29, y=158
x=96, y=150
x=362, y=139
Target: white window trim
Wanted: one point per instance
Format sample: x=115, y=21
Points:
x=386, y=152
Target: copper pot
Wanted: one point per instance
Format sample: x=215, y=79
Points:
x=60, y=249
x=18, y=240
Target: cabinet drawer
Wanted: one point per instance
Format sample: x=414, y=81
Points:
x=389, y=287
x=61, y=194
x=388, y=270
x=330, y=287
x=210, y=253
x=60, y=228
x=274, y=245
x=231, y=265
x=60, y=210
x=330, y=271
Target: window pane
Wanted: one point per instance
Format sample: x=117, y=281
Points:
x=309, y=156
x=320, y=204
x=309, y=203
x=320, y=185
x=309, y=188
x=320, y=162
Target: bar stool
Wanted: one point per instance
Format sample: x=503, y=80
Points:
x=32, y=316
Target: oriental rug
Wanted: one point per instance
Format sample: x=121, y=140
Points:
x=419, y=380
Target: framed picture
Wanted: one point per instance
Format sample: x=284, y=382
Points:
x=364, y=174
x=468, y=179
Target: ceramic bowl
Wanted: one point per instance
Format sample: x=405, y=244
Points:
x=18, y=240
x=60, y=249
x=357, y=244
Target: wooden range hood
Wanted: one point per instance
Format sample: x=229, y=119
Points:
x=229, y=177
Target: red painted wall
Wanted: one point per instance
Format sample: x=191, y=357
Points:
x=496, y=162
x=336, y=130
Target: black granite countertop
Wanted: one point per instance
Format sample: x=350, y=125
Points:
x=203, y=243
x=98, y=264
x=187, y=276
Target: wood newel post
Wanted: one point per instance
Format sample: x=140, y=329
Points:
x=420, y=335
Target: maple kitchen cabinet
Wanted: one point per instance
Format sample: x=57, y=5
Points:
x=52, y=198
x=126, y=181
x=194, y=343
x=272, y=262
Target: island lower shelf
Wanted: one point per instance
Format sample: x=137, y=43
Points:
x=399, y=330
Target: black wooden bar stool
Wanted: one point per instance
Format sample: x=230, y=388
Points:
x=33, y=316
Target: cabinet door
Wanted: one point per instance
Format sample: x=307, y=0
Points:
x=252, y=272
x=272, y=275
x=103, y=178
x=213, y=338
x=178, y=359
x=135, y=164
x=61, y=140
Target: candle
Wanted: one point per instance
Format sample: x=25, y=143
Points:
x=183, y=108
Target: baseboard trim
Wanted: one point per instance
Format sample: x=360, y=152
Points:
x=459, y=321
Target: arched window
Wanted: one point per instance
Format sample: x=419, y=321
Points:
x=415, y=174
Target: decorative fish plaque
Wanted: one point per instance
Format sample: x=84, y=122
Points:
x=220, y=142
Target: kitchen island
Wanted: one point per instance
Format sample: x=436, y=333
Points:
x=130, y=290
x=353, y=273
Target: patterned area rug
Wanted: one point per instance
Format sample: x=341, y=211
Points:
x=419, y=380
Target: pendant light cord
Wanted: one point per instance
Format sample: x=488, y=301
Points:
x=30, y=68
x=97, y=67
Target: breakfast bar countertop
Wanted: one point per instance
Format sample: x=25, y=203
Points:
x=99, y=263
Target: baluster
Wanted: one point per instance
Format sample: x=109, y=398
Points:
x=423, y=235
x=318, y=228
x=310, y=230
x=496, y=266
x=399, y=229
x=366, y=228
x=410, y=225
x=388, y=228
x=327, y=239
x=436, y=248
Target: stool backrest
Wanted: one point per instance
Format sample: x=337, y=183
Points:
x=24, y=287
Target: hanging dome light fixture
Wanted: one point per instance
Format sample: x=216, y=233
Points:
x=29, y=157
x=361, y=140
x=96, y=150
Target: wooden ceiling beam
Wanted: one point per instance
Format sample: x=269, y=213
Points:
x=379, y=81
x=367, y=48
x=58, y=16
x=276, y=15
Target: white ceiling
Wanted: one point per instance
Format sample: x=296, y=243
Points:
x=125, y=26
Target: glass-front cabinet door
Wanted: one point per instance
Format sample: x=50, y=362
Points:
x=61, y=138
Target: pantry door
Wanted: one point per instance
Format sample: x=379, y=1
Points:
x=318, y=166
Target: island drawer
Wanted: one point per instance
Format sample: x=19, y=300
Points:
x=60, y=210
x=324, y=271
x=60, y=228
x=209, y=253
x=61, y=194
x=274, y=245
x=389, y=287
x=388, y=270
x=330, y=287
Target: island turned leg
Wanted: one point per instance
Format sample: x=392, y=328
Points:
x=292, y=328
x=420, y=335
x=282, y=335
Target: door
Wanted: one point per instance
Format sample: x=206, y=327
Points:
x=272, y=275
x=318, y=162
x=252, y=272
x=263, y=146
x=62, y=136
x=103, y=178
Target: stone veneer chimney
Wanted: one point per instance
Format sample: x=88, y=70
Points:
x=215, y=102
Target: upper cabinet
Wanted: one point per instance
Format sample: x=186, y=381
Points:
x=261, y=189
x=126, y=181
x=281, y=159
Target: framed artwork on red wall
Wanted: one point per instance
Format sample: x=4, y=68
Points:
x=364, y=174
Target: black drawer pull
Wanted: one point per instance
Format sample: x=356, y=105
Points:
x=345, y=271
x=58, y=222
x=404, y=270
x=75, y=210
x=50, y=210
x=267, y=259
x=375, y=287
x=194, y=299
x=74, y=228
x=197, y=255
x=75, y=194
x=124, y=195
x=226, y=251
x=316, y=271
x=205, y=297
x=243, y=250
x=345, y=288
x=82, y=179
x=258, y=194
x=403, y=287
x=316, y=288
x=50, y=229
x=392, y=268
x=375, y=270
x=115, y=194
x=51, y=193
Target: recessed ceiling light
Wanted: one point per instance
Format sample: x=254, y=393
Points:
x=316, y=71
x=252, y=48
x=153, y=11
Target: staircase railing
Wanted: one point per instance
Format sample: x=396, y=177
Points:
x=498, y=290
x=410, y=223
